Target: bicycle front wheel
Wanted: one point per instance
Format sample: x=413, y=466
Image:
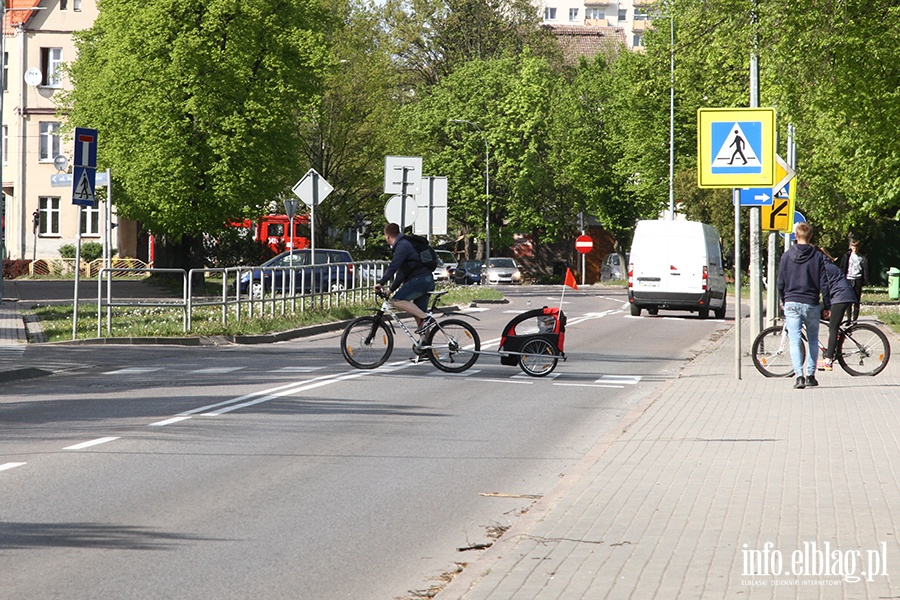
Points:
x=863, y=349
x=772, y=353
x=367, y=342
x=453, y=346
x=538, y=358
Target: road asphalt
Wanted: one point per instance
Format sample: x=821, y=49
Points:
x=714, y=487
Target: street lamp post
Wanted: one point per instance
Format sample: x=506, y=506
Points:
x=487, y=190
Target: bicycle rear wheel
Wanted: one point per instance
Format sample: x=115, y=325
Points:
x=367, y=343
x=538, y=366
x=772, y=352
x=863, y=349
x=453, y=345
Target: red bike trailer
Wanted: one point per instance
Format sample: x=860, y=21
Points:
x=534, y=341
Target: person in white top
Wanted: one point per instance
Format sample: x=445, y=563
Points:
x=855, y=266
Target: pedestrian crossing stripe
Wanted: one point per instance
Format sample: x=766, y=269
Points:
x=620, y=379
x=739, y=145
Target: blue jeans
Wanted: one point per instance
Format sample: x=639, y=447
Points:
x=795, y=315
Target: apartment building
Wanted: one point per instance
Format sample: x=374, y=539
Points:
x=630, y=17
x=40, y=215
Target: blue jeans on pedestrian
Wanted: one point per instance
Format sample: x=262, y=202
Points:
x=797, y=314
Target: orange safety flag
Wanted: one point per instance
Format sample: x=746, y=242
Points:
x=570, y=279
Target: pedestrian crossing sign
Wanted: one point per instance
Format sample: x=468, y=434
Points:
x=735, y=147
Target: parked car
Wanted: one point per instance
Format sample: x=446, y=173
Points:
x=446, y=265
x=330, y=273
x=501, y=270
x=612, y=267
x=468, y=272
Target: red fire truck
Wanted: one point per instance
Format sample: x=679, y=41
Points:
x=274, y=230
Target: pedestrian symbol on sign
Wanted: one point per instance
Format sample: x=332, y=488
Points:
x=83, y=194
x=737, y=147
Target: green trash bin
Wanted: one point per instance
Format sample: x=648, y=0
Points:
x=894, y=283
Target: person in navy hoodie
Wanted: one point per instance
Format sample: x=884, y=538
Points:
x=801, y=280
x=842, y=296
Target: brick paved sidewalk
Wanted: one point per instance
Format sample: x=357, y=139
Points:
x=707, y=474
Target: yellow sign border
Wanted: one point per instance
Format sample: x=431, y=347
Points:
x=766, y=211
x=705, y=177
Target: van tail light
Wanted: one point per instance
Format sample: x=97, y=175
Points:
x=705, y=278
x=631, y=275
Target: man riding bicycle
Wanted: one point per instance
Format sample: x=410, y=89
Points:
x=413, y=278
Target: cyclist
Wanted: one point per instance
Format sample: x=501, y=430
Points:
x=842, y=297
x=414, y=279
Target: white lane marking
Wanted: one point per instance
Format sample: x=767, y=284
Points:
x=215, y=370
x=591, y=316
x=620, y=379
x=527, y=376
x=133, y=370
x=473, y=309
x=220, y=408
x=168, y=421
x=8, y=466
x=590, y=385
x=96, y=442
x=463, y=374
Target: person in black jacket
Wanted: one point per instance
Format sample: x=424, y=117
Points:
x=842, y=297
x=856, y=267
x=801, y=280
x=413, y=278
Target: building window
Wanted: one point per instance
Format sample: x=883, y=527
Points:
x=5, y=70
x=51, y=145
x=63, y=4
x=90, y=220
x=594, y=13
x=573, y=14
x=49, y=215
x=550, y=13
x=640, y=15
x=623, y=14
x=51, y=61
x=77, y=4
x=5, y=143
x=638, y=40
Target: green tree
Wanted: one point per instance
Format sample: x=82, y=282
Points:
x=196, y=106
x=345, y=133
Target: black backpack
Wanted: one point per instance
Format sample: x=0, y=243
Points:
x=427, y=255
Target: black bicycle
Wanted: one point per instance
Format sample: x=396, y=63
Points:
x=452, y=345
x=862, y=349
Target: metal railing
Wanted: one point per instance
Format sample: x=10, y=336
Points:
x=250, y=292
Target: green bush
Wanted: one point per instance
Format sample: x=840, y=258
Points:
x=90, y=251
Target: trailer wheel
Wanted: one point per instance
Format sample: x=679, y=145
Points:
x=538, y=366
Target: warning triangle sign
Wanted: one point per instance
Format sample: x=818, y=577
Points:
x=83, y=193
x=736, y=151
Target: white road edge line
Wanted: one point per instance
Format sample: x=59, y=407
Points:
x=8, y=466
x=593, y=385
x=96, y=442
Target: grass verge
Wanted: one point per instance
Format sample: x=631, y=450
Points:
x=152, y=321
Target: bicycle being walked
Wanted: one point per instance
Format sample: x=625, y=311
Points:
x=861, y=349
x=452, y=345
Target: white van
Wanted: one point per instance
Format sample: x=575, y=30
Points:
x=676, y=265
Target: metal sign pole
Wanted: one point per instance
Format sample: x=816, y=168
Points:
x=77, y=273
x=736, y=198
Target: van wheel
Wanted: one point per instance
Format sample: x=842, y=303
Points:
x=720, y=312
x=635, y=310
x=704, y=313
x=653, y=311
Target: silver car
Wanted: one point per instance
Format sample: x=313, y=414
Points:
x=447, y=263
x=501, y=270
x=612, y=268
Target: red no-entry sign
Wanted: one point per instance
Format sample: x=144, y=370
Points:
x=584, y=244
